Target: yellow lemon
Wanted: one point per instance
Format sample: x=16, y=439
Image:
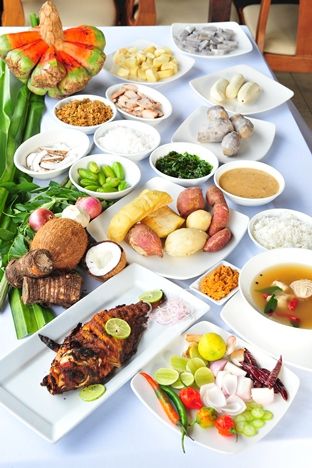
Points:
x=211, y=346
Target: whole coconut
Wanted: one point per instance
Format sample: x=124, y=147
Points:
x=65, y=239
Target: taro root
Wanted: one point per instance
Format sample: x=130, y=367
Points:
x=65, y=239
x=105, y=260
x=145, y=241
x=35, y=264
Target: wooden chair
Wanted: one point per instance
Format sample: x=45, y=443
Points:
x=96, y=12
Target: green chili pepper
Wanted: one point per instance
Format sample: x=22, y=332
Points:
x=119, y=170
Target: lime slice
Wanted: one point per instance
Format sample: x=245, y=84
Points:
x=166, y=376
x=203, y=376
x=178, y=385
x=117, y=328
x=178, y=363
x=187, y=378
x=151, y=296
x=92, y=392
x=194, y=364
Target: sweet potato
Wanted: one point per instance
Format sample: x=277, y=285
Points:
x=185, y=241
x=144, y=240
x=189, y=200
x=220, y=218
x=214, y=195
x=218, y=240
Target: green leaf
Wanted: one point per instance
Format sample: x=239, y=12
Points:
x=5, y=234
x=270, y=290
x=18, y=248
x=270, y=305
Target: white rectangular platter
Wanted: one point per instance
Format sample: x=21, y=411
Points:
x=172, y=267
x=209, y=438
x=22, y=370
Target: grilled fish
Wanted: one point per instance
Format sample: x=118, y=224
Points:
x=88, y=354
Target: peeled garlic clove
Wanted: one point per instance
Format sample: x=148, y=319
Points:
x=212, y=396
x=229, y=384
x=263, y=396
x=231, y=344
x=234, y=406
x=244, y=386
x=237, y=356
x=302, y=288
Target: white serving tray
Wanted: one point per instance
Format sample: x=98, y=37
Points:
x=209, y=438
x=22, y=370
x=172, y=267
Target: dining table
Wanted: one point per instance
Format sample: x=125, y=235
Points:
x=121, y=432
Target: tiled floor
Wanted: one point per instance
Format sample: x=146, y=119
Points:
x=301, y=84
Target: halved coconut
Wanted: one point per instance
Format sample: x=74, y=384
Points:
x=105, y=260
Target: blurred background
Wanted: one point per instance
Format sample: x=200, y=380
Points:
x=281, y=28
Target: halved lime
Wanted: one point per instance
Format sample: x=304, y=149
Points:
x=203, y=376
x=166, y=376
x=194, y=364
x=151, y=296
x=187, y=378
x=118, y=328
x=178, y=384
x=92, y=392
x=178, y=363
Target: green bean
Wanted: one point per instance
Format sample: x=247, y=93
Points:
x=119, y=170
x=102, y=178
x=113, y=181
x=107, y=188
x=93, y=167
x=108, y=171
x=85, y=182
x=93, y=188
x=86, y=174
x=122, y=186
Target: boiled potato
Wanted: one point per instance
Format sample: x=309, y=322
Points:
x=150, y=64
x=185, y=241
x=199, y=219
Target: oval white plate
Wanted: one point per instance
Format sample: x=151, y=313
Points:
x=185, y=64
x=236, y=315
x=254, y=148
x=210, y=438
x=244, y=44
x=273, y=93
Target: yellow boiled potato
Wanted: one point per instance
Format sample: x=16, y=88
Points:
x=199, y=219
x=151, y=75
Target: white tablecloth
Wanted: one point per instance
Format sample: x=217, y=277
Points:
x=122, y=432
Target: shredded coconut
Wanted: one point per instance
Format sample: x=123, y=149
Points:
x=126, y=140
x=285, y=230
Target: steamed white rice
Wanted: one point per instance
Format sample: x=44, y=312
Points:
x=285, y=230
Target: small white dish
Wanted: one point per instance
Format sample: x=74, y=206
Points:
x=79, y=97
x=253, y=149
x=244, y=43
x=172, y=267
x=195, y=286
x=237, y=316
x=278, y=213
x=73, y=138
x=132, y=174
x=150, y=93
x=180, y=147
x=184, y=64
x=210, y=438
x=22, y=370
x=140, y=127
x=273, y=93
x=253, y=165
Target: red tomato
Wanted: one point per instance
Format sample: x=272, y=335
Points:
x=225, y=425
x=190, y=398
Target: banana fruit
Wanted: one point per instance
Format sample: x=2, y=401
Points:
x=236, y=82
x=217, y=91
x=248, y=92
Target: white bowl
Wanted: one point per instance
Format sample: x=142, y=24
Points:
x=79, y=97
x=132, y=174
x=131, y=124
x=195, y=286
x=285, y=336
x=255, y=165
x=181, y=147
x=73, y=138
x=149, y=92
x=278, y=213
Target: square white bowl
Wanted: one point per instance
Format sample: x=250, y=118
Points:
x=253, y=149
x=195, y=285
x=244, y=43
x=273, y=93
x=184, y=64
